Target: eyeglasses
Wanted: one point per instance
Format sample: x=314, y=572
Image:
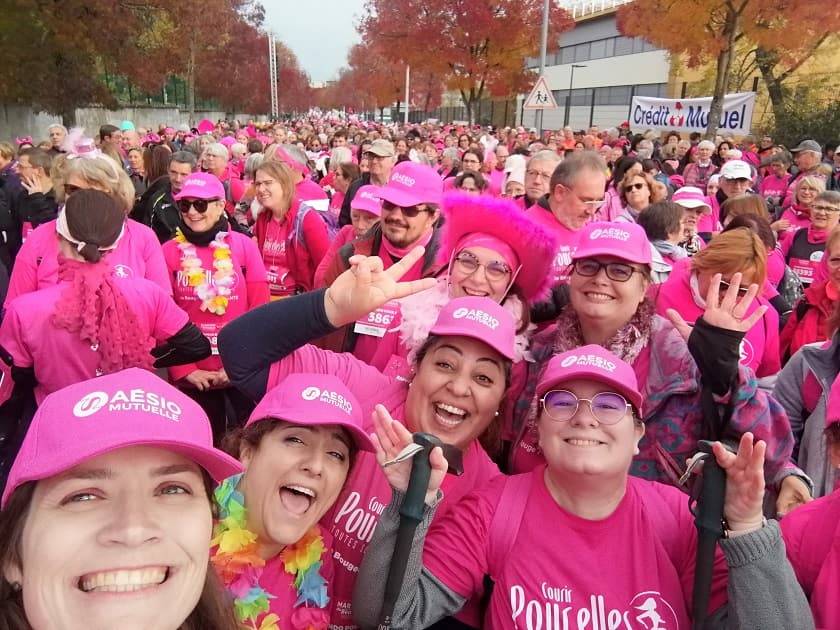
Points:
x=724, y=286
x=594, y=204
x=607, y=407
x=69, y=189
x=410, y=211
x=826, y=209
x=495, y=270
x=636, y=186
x=538, y=174
x=200, y=205
x=373, y=156
x=619, y=272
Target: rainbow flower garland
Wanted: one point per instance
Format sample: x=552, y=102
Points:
x=214, y=297
x=240, y=567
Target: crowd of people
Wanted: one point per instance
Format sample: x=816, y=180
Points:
x=219, y=342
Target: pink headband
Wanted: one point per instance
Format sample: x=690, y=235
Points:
x=480, y=239
x=23, y=140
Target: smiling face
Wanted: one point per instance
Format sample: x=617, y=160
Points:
x=457, y=391
x=470, y=275
x=824, y=215
x=805, y=194
x=584, y=446
x=122, y=540
x=609, y=303
x=201, y=222
x=291, y=479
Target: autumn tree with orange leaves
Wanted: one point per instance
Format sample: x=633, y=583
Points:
x=782, y=34
x=477, y=47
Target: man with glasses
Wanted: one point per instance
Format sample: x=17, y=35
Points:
x=538, y=177
x=381, y=158
x=410, y=213
x=808, y=156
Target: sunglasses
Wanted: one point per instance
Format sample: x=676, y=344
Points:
x=200, y=205
x=495, y=270
x=409, y=212
x=619, y=272
x=607, y=407
x=724, y=286
x=636, y=186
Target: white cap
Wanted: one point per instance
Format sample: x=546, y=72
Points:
x=736, y=169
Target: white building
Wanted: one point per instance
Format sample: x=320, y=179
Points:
x=609, y=69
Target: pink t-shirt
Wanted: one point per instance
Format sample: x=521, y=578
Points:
x=246, y=261
x=774, y=187
x=567, y=240
x=353, y=516
x=307, y=190
x=812, y=541
x=633, y=569
x=760, y=347
x=137, y=255
x=280, y=281
x=59, y=357
x=278, y=583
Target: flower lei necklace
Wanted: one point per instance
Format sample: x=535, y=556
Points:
x=237, y=562
x=214, y=298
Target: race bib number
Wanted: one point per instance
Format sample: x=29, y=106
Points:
x=211, y=331
x=376, y=323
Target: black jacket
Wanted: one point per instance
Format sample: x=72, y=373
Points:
x=37, y=208
x=156, y=208
x=344, y=215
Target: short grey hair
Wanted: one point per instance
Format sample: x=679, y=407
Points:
x=706, y=144
x=184, y=157
x=238, y=147
x=452, y=153
x=568, y=171
x=546, y=155
x=830, y=196
x=217, y=149
x=56, y=126
x=296, y=153
x=340, y=155
x=252, y=163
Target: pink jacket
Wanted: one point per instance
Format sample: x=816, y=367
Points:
x=812, y=539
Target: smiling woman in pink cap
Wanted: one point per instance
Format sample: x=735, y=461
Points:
x=627, y=546
x=297, y=449
x=217, y=274
x=106, y=516
x=458, y=383
x=609, y=306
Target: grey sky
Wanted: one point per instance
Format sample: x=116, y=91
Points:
x=320, y=32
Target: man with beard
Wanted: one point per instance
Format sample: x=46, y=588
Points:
x=410, y=214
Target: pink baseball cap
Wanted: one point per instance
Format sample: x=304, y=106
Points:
x=626, y=241
x=591, y=363
x=312, y=400
x=478, y=318
x=367, y=199
x=412, y=183
x=691, y=197
x=132, y=407
x=201, y=186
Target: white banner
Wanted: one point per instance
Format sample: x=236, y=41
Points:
x=692, y=114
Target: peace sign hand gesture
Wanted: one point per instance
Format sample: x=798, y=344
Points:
x=728, y=313
x=367, y=285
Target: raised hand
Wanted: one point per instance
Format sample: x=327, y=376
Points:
x=728, y=313
x=793, y=493
x=390, y=438
x=744, y=483
x=367, y=285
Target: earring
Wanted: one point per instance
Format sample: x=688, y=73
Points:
x=496, y=414
x=16, y=587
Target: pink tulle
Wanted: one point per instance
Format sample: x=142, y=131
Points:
x=95, y=308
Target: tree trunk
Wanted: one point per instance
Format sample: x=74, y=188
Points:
x=68, y=117
x=766, y=61
x=724, y=66
x=191, y=84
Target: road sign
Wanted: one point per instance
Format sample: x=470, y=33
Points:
x=540, y=97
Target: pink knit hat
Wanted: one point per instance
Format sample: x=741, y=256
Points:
x=312, y=400
x=128, y=408
x=534, y=246
x=205, y=126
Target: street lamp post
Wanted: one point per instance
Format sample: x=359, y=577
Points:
x=569, y=97
x=543, y=46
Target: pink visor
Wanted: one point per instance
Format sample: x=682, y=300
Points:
x=626, y=241
x=128, y=408
x=314, y=400
x=367, y=199
x=591, y=363
x=478, y=318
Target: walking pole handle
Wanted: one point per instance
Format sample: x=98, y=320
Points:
x=418, y=483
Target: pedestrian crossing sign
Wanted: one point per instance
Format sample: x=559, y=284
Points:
x=540, y=97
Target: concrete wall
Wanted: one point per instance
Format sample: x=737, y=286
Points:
x=17, y=120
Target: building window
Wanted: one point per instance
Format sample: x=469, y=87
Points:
x=623, y=46
x=598, y=49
